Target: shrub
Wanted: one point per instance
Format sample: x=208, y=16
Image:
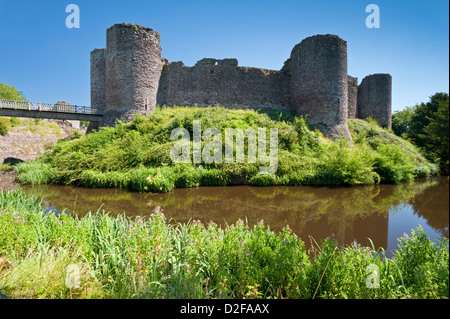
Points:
x=424, y=264
x=4, y=126
x=350, y=166
x=158, y=155
x=392, y=166
x=160, y=180
x=14, y=121
x=214, y=177
x=264, y=179
x=187, y=176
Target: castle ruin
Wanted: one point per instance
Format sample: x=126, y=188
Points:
x=131, y=77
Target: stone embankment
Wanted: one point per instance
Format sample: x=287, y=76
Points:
x=23, y=144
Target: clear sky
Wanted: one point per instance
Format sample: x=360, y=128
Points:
x=49, y=62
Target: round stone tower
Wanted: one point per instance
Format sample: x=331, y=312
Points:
x=98, y=83
x=133, y=69
x=374, y=98
x=319, y=88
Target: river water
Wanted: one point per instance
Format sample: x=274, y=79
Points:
x=382, y=213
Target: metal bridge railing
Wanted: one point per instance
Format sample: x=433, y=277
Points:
x=48, y=107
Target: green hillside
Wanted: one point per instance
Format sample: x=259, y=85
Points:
x=136, y=156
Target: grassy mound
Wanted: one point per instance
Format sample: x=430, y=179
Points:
x=136, y=156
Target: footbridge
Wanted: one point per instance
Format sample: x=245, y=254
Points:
x=59, y=111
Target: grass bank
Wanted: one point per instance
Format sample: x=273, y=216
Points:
x=137, y=155
x=149, y=257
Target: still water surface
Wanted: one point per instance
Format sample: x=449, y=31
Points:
x=382, y=213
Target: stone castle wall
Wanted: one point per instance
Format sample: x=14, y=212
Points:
x=98, y=83
x=131, y=77
x=352, y=84
x=211, y=82
x=374, y=98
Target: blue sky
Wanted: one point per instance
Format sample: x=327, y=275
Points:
x=40, y=56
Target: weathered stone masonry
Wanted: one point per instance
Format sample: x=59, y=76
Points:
x=133, y=69
x=130, y=77
x=98, y=82
x=211, y=82
x=374, y=98
x=318, y=86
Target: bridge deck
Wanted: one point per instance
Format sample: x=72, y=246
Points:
x=49, y=111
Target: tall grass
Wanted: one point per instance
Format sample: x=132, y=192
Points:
x=42, y=273
x=35, y=172
x=152, y=257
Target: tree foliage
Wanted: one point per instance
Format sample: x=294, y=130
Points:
x=8, y=92
x=427, y=126
x=401, y=121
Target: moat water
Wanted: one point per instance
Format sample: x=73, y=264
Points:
x=382, y=213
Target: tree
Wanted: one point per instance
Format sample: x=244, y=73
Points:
x=8, y=92
x=401, y=121
x=422, y=116
x=436, y=134
x=427, y=126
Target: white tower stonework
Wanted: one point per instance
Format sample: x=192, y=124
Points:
x=133, y=69
x=319, y=83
